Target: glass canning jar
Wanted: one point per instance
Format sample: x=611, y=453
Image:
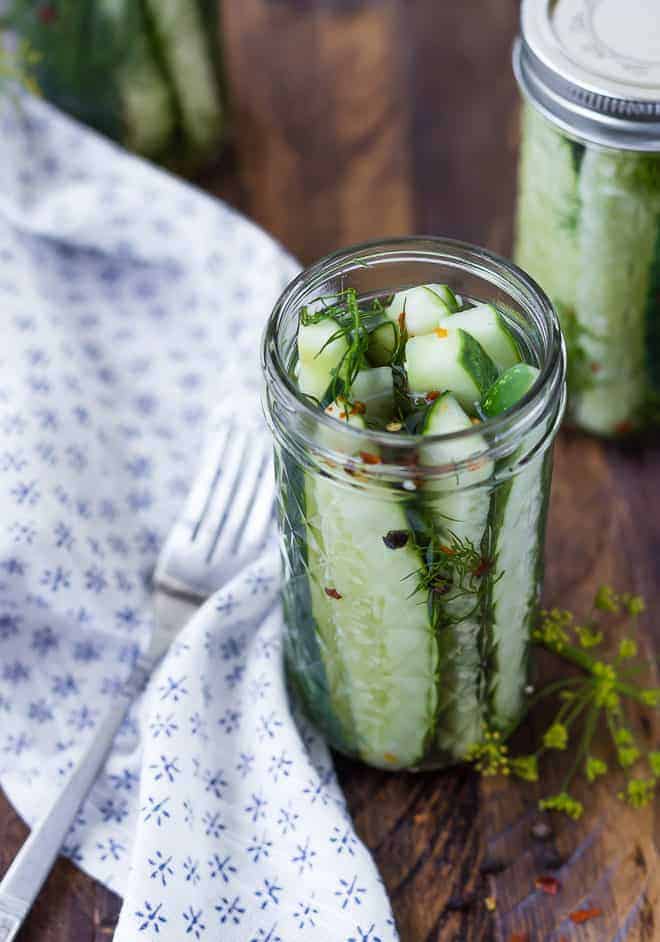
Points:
x=588, y=218
x=406, y=641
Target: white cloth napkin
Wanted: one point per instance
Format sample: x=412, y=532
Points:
x=127, y=298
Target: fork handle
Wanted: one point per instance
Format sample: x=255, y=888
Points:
x=32, y=864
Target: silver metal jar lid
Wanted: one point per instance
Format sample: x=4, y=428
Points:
x=593, y=68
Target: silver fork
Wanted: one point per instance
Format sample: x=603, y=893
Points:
x=225, y=523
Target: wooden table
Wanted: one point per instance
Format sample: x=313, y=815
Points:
x=355, y=119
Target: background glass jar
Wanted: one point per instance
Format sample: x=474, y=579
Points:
x=410, y=584
x=588, y=219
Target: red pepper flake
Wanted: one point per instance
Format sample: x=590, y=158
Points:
x=368, y=458
x=595, y=367
x=333, y=594
x=519, y=937
x=584, y=915
x=549, y=885
x=48, y=14
x=432, y=396
x=447, y=550
x=441, y=332
x=402, y=321
x=623, y=428
x=358, y=408
x=483, y=566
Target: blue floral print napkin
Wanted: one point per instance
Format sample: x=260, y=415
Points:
x=127, y=300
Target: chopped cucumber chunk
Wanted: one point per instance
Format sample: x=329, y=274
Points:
x=508, y=388
x=423, y=307
x=374, y=388
x=450, y=359
x=485, y=323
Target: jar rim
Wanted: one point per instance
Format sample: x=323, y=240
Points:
x=465, y=257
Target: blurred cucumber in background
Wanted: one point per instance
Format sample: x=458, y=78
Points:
x=144, y=72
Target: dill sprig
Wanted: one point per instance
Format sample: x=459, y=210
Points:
x=455, y=569
x=592, y=701
x=356, y=323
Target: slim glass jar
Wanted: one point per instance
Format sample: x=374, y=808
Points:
x=588, y=219
x=411, y=582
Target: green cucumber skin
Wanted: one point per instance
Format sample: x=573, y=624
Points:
x=477, y=362
x=501, y=714
x=653, y=320
x=303, y=658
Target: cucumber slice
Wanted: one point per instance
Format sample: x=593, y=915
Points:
x=463, y=513
x=318, y=356
x=184, y=51
x=375, y=389
x=450, y=359
x=517, y=524
x=147, y=102
x=619, y=224
x=485, y=323
x=508, y=388
x=377, y=642
x=548, y=209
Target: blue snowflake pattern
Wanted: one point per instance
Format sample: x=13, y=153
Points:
x=82, y=718
x=95, y=580
x=226, y=604
x=40, y=711
x=26, y=492
x=268, y=726
x=222, y=868
x=245, y=764
x=173, y=689
x=65, y=685
x=230, y=721
x=14, y=566
x=235, y=675
x=191, y=870
x=259, y=847
x=258, y=582
x=44, y=640
x=9, y=625
x=280, y=766
x=150, y=917
x=193, y=921
x=166, y=768
x=16, y=672
x=267, y=935
x=56, y=579
x=215, y=782
x=305, y=912
x=304, y=857
x=86, y=651
x=349, y=892
x=256, y=808
x=110, y=849
x=287, y=820
x=365, y=935
x=318, y=790
x=156, y=810
x=17, y=743
x=198, y=725
x=344, y=840
x=212, y=822
x=124, y=780
x=268, y=893
x=161, y=867
x=230, y=910
x=114, y=810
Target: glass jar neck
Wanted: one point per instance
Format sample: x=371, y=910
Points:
x=383, y=268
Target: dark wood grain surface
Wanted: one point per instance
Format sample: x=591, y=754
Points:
x=354, y=119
